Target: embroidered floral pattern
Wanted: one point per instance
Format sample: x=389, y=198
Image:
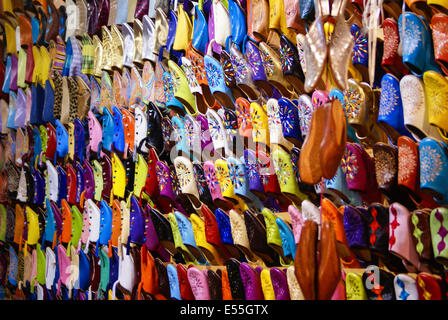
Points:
x=430, y=164
x=412, y=37
x=390, y=42
x=352, y=103
x=406, y=162
x=215, y=129
x=223, y=177
x=237, y=176
x=175, y=183
x=229, y=73
x=243, y=116
x=268, y=63
x=191, y=78
x=306, y=113
x=162, y=176
x=288, y=119
x=286, y=57
x=213, y=75
x=168, y=86
x=184, y=175
x=197, y=63
x=349, y=165
x=254, y=59
x=240, y=68
x=273, y=114
x=212, y=182
x=283, y=170
x=389, y=98
x=257, y=123
x=360, y=48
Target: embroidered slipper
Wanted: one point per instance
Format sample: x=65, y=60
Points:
x=438, y=23
x=234, y=278
x=435, y=82
x=251, y=282
x=225, y=181
x=391, y=61
x=421, y=58
x=273, y=69
x=217, y=132
x=214, y=186
x=438, y=230
x=421, y=234
x=432, y=154
x=390, y=116
x=378, y=226
x=405, y=287
x=260, y=131
x=378, y=284
x=254, y=58
x=356, y=232
x=238, y=176
x=243, y=73
x=209, y=251
x=229, y=74
x=286, y=176
x=291, y=66
x=428, y=286
x=414, y=105
x=290, y=122
x=181, y=88
x=185, y=174
x=354, y=287
x=400, y=240
x=274, y=239
x=238, y=234
x=216, y=80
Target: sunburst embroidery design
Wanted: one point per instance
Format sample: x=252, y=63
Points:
x=360, y=48
x=223, y=177
x=254, y=59
x=191, y=78
x=183, y=174
x=282, y=170
x=412, y=37
x=306, y=113
x=349, y=165
x=268, y=63
x=236, y=176
x=213, y=75
x=389, y=98
x=162, y=176
x=352, y=102
x=286, y=57
x=406, y=163
x=287, y=119
x=210, y=178
x=273, y=114
x=430, y=164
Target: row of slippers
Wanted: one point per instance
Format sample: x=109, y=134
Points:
x=47, y=23
x=130, y=147
x=235, y=281
x=86, y=271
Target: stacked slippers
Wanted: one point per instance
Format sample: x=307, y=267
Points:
x=223, y=150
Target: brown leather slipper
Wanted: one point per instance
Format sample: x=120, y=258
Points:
x=309, y=160
x=332, y=147
x=305, y=260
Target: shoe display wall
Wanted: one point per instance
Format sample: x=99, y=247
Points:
x=223, y=150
